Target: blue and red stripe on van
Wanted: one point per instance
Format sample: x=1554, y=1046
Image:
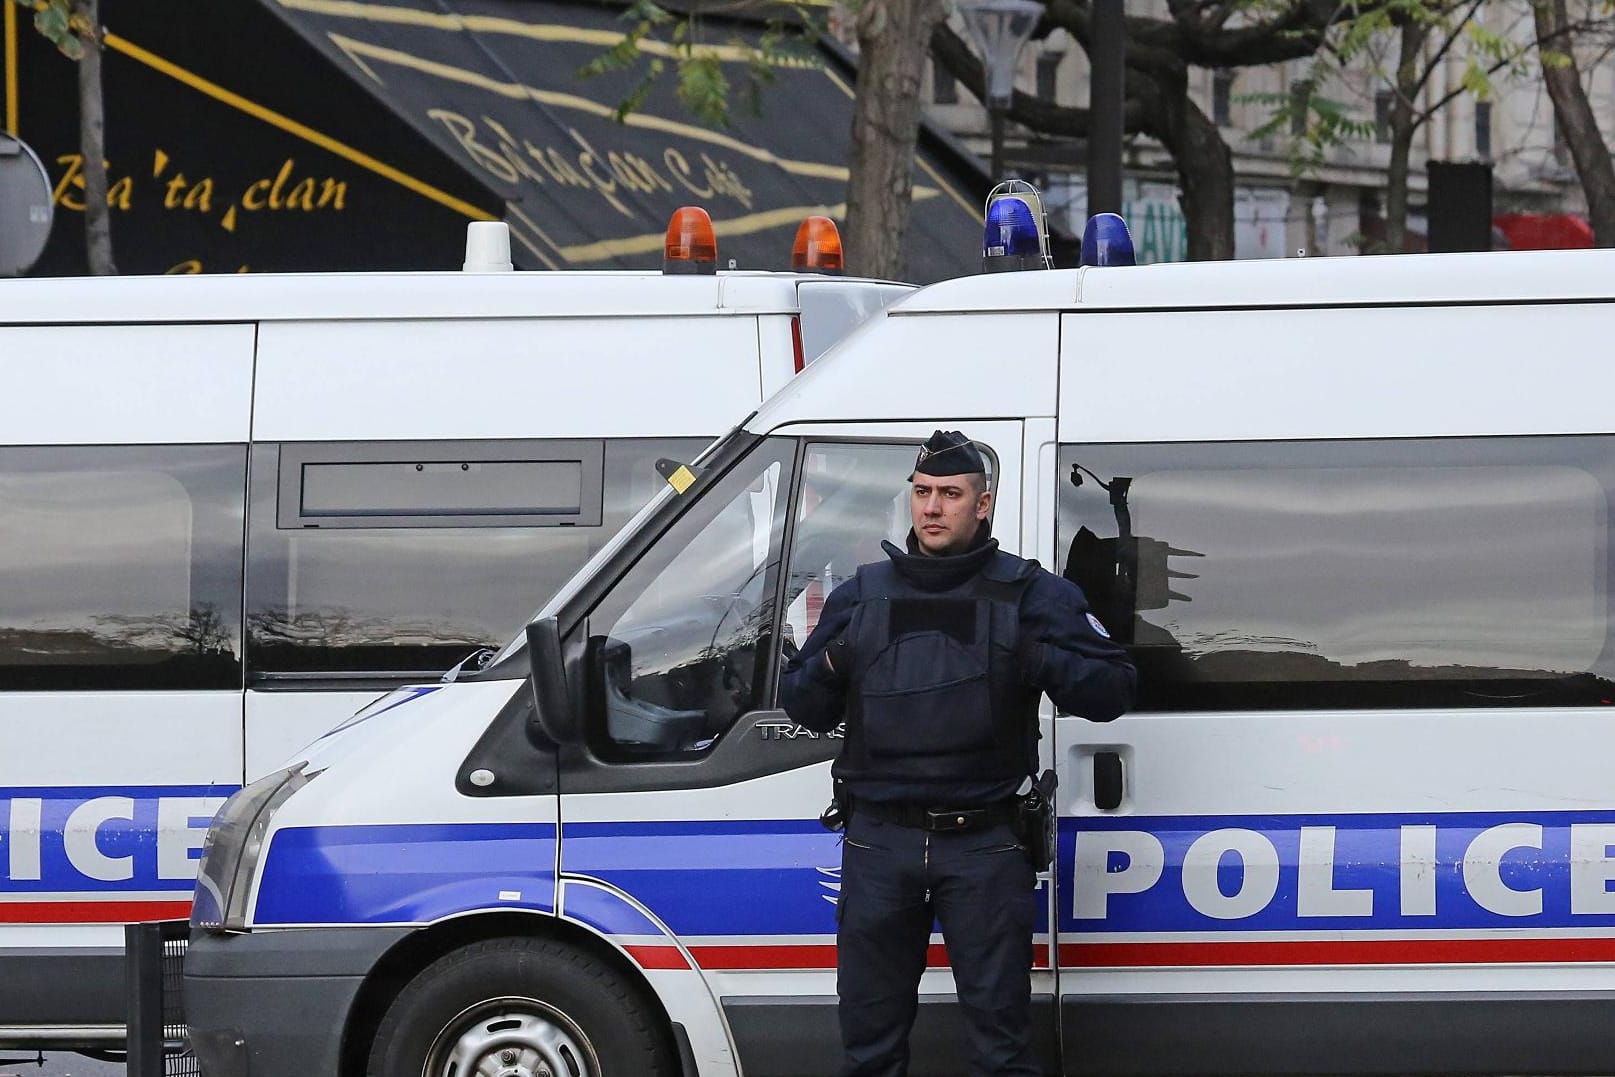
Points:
x=759, y=894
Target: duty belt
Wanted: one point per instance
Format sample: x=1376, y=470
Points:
x=924, y=817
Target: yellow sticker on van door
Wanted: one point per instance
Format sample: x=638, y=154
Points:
x=681, y=479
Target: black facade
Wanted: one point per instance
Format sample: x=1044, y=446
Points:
x=310, y=135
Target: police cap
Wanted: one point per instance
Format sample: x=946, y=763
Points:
x=948, y=452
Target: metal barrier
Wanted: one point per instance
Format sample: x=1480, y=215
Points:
x=154, y=956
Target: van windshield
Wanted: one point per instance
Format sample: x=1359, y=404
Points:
x=722, y=451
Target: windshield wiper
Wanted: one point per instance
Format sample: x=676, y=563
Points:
x=477, y=659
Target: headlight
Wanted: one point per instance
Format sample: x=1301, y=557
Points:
x=232, y=847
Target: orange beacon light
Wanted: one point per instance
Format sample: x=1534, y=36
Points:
x=818, y=247
x=691, y=245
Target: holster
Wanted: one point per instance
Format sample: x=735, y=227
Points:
x=1036, y=822
x=835, y=817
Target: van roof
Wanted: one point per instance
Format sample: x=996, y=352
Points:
x=1493, y=277
x=359, y=296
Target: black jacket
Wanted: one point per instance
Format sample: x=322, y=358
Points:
x=1064, y=653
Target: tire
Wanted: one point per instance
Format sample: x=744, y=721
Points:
x=521, y=1007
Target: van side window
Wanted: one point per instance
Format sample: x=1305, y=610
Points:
x=1452, y=572
x=681, y=647
x=382, y=561
x=122, y=567
x=853, y=495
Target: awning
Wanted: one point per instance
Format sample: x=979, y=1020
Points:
x=495, y=84
x=344, y=134
x=1544, y=231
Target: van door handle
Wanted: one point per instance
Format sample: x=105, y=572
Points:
x=1107, y=780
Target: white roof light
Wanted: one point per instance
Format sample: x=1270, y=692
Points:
x=487, y=247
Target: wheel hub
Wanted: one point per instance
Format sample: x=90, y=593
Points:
x=517, y=1064
x=512, y=1037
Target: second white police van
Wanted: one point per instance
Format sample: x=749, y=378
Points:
x=1353, y=520
x=234, y=509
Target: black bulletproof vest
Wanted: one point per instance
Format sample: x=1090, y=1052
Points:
x=935, y=692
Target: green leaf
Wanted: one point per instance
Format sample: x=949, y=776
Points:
x=647, y=11
x=812, y=24
x=636, y=97
x=760, y=73
x=760, y=70
x=620, y=57
x=54, y=20
x=1476, y=81
x=704, y=90
x=703, y=87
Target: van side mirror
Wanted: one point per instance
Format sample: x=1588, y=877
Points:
x=552, y=710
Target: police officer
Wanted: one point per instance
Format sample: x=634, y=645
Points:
x=935, y=659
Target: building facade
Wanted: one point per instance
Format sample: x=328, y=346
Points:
x=1336, y=204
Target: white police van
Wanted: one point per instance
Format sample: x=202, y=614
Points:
x=235, y=509
x=1353, y=519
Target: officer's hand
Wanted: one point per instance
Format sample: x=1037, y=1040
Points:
x=836, y=646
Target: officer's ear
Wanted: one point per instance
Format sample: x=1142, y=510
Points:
x=984, y=503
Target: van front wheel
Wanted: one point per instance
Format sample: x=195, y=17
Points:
x=520, y=1008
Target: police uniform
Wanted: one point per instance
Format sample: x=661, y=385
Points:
x=936, y=666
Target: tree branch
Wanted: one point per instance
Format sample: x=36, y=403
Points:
x=1446, y=46
x=1170, y=47
x=1185, y=15
x=1296, y=34
x=1498, y=65
x=1220, y=14
x=1152, y=45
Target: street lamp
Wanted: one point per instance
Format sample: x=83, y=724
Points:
x=1001, y=29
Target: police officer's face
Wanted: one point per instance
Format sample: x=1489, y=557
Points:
x=947, y=510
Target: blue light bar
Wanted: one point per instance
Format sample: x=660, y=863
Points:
x=1010, y=241
x=1106, y=242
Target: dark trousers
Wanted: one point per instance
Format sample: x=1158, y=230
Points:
x=980, y=886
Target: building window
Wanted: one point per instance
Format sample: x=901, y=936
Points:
x=1048, y=75
x=944, y=90
x=1222, y=92
x=1483, y=129
x=1384, y=101
x=1300, y=105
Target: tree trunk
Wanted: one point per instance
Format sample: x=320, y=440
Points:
x=892, y=42
x=1206, y=170
x=1402, y=128
x=92, y=140
x=1203, y=160
x=1575, y=118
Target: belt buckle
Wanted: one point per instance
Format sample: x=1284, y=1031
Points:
x=939, y=819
